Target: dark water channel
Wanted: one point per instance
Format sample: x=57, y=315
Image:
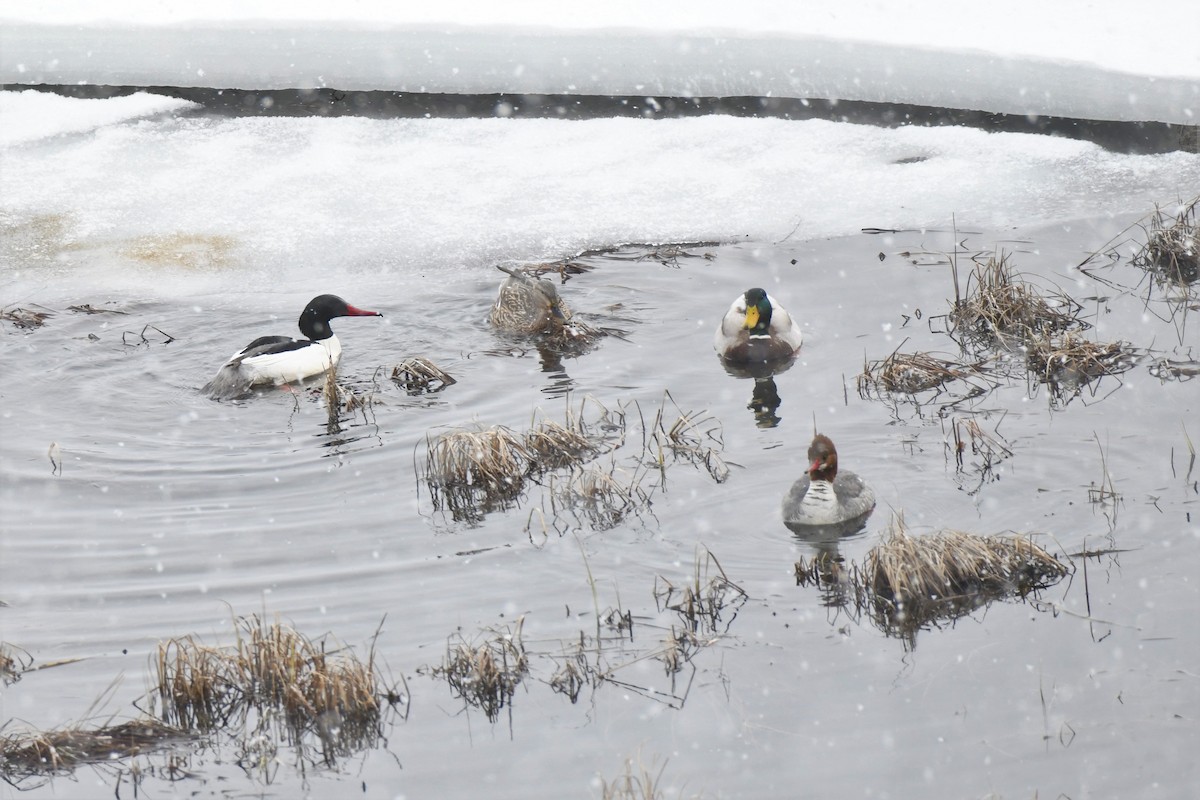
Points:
x=174, y=514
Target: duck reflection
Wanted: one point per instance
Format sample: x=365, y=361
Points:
x=828, y=564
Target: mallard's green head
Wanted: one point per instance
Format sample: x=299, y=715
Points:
x=758, y=312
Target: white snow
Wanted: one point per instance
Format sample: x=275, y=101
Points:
x=97, y=193
x=1072, y=58
x=32, y=115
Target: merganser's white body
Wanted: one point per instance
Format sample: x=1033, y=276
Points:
x=275, y=360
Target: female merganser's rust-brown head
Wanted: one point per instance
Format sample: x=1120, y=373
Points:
x=822, y=458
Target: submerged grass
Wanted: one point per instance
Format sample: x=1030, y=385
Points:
x=485, y=673
x=602, y=496
x=705, y=600
x=29, y=754
x=986, y=449
x=25, y=318
x=910, y=583
x=470, y=472
x=13, y=663
x=694, y=436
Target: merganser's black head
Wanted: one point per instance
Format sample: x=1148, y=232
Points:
x=822, y=459
x=758, y=312
x=314, y=320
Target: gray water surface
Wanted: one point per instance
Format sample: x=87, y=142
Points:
x=174, y=514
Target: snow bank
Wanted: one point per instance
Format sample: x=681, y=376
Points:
x=201, y=205
x=1060, y=59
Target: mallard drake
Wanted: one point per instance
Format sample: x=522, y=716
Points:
x=280, y=359
x=826, y=496
x=756, y=329
x=527, y=304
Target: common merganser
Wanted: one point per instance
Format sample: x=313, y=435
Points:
x=826, y=496
x=526, y=304
x=273, y=360
x=756, y=329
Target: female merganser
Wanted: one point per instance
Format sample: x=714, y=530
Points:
x=279, y=359
x=527, y=304
x=825, y=496
x=756, y=329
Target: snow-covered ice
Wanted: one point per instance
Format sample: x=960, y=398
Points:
x=1070, y=59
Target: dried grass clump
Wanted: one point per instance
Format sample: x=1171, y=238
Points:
x=556, y=446
x=471, y=471
x=909, y=583
x=911, y=373
x=910, y=571
x=1172, y=249
x=420, y=376
x=39, y=754
x=1068, y=362
x=274, y=673
x=486, y=674
x=1001, y=310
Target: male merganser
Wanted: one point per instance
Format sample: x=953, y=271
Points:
x=825, y=496
x=526, y=304
x=280, y=359
x=756, y=329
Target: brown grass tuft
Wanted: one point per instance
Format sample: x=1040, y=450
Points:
x=1172, y=249
x=598, y=495
x=1002, y=310
x=1068, y=362
x=911, y=373
x=274, y=673
x=693, y=436
x=471, y=472
x=909, y=583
